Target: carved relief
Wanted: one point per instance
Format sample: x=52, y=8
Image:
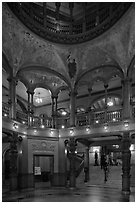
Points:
x=43, y=146
x=72, y=66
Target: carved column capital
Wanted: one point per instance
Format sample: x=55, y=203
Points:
x=105, y=86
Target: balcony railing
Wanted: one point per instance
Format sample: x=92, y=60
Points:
x=5, y=109
x=91, y=118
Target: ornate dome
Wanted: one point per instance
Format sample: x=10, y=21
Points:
x=69, y=23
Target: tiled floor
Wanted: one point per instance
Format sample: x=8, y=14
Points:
x=93, y=191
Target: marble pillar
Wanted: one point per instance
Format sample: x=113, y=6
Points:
x=126, y=89
x=13, y=162
x=54, y=111
x=71, y=149
x=86, y=164
x=72, y=108
x=30, y=107
x=12, y=96
x=126, y=156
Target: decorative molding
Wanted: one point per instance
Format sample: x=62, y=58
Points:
x=43, y=146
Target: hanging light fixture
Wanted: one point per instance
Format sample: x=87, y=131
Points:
x=38, y=99
x=110, y=102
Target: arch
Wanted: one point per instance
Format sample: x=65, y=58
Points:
x=41, y=85
x=46, y=69
x=6, y=65
x=5, y=148
x=24, y=82
x=22, y=106
x=102, y=96
x=99, y=67
x=131, y=67
x=98, y=78
x=62, y=88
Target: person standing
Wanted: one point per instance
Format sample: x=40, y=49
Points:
x=96, y=159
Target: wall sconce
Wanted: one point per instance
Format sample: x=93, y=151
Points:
x=35, y=131
x=5, y=115
x=42, y=126
x=15, y=126
x=87, y=129
x=20, y=151
x=66, y=151
x=71, y=131
x=62, y=126
x=51, y=132
x=105, y=126
x=126, y=124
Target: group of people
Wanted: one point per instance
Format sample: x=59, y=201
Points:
x=104, y=160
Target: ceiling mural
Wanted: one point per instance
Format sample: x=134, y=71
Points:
x=40, y=78
x=29, y=49
x=38, y=61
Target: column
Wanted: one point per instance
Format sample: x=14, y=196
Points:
x=56, y=107
x=71, y=6
x=126, y=156
x=72, y=108
x=13, y=161
x=90, y=111
x=30, y=107
x=72, y=148
x=45, y=14
x=54, y=110
x=12, y=96
x=126, y=90
x=106, y=97
x=86, y=164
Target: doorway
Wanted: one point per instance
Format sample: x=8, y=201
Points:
x=43, y=168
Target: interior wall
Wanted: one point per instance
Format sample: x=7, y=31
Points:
x=42, y=147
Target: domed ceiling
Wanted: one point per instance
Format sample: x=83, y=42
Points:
x=28, y=55
x=69, y=22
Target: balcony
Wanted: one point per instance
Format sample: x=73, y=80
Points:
x=92, y=118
